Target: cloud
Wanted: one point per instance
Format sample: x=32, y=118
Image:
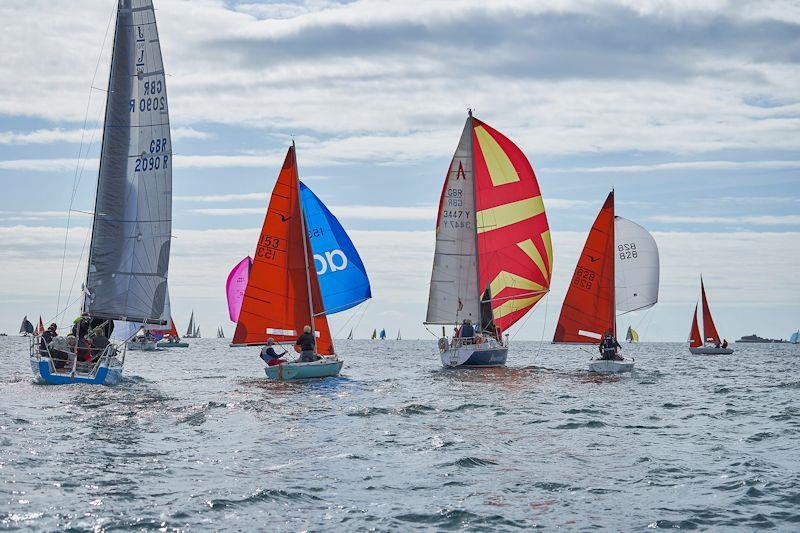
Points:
x=345, y=212
x=763, y=220
x=686, y=165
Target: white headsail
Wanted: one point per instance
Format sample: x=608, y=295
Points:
x=454, y=281
x=129, y=255
x=636, y=267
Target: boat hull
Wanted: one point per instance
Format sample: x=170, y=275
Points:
x=602, y=366
x=475, y=356
x=710, y=351
x=173, y=344
x=143, y=346
x=324, y=368
x=108, y=372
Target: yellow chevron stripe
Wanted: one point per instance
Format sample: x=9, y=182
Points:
x=511, y=306
x=533, y=252
x=507, y=214
x=548, y=247
x=507, y=279
x=500, y=168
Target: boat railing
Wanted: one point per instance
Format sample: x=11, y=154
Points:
x=84, y=368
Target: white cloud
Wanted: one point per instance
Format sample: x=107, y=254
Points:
x=220, y=198
x=685, y=165
x=764, y=220
x=345, y=212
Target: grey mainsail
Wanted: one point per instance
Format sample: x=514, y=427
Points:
x=129, y=254
x=454, y=281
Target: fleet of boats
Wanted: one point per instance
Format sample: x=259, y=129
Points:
x=492, y=264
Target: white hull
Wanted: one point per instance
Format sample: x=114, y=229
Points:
x=710, y=350
x=601, y=366
x=487, y=354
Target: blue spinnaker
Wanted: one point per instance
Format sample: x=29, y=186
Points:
x=342, y=277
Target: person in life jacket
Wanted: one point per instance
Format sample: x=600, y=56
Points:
x=269, y=355
x=608, y=347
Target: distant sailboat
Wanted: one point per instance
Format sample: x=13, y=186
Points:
x=128, y=260
x=631, y=335
x=795, y=338
x=705, y=340
x=236, y=285
x=283, y=292
x=170, y=338
x=374, y=334
x=493, y=259
x=383, y=335
x=399, y=338
x=40, y=327
x=26, y=328
x=193, y=330
x=220, y=333
x=350, y=337
x=618, y=271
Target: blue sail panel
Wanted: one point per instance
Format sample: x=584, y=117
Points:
x=342, y=277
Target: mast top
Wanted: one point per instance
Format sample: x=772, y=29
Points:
x=469, y=112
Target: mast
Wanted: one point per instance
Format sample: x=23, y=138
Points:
x=613, y=269
x=100, y=166
x=305, y=246
x=475, y=226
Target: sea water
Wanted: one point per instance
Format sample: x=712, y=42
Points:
x=198, y=439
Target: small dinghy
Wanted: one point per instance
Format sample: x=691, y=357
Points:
x=141, y=344
x=709, y=342
x=168, y=336
x=618, y=271
x=305, y=268
x=493, y=258
x=324, y=368
x=128, y=256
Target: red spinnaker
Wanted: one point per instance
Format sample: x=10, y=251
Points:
x=276, y=299
x=515, y=255
x=695, y=340
x=709, y=330
x=588, y=310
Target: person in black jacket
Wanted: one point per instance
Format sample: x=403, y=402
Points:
x=47, y=337
x=608, y=347
x=307, y=345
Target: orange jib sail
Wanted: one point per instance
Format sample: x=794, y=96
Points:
x=588, y=310
x=695, y=341
x=515, y=254
x=709, y=329
x=173, y=332
x=276, y=302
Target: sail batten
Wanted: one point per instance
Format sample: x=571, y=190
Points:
x=132, y=226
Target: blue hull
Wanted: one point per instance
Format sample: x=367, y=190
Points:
x=105, y=374
x=487, y=358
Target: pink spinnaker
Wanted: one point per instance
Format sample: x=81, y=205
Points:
x=236, y=285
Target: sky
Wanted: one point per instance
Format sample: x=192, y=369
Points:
x=690, y=110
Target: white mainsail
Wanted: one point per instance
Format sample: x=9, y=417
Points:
x=454, y=281
x=636, y=267
x=129, y=254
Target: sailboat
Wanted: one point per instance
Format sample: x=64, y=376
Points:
x=126, y=279
x=283, y=292
x=705, y=340
x=617, y=272
x=383, y=335
x=795, y=338
x=374, y=334
x=40, y=327
x=193, y=330
x=631, y=335
x=493, y=258
x=236, y=285
x=399, y=337
x=170, y=338
x=350, y=337
x=220, y=333
x=26, y=328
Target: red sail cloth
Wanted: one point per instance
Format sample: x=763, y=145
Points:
x=709, y=330
x=511, y=220
x=589, y=304
x=275, y=302
x=695, y=340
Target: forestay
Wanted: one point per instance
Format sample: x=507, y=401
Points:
x=636, y=267
x=129, y=254
x=454, y=292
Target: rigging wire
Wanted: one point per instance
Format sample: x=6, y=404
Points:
x=80, y=168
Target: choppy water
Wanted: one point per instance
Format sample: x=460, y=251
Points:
x=198, y=439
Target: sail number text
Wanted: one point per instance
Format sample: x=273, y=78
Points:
x=455, y=218
x=267, y=246
x=583, y=278
x=627, y=251
x=155, y=161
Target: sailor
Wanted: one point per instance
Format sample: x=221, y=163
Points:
x=269, y=355
x=47, y=337
x=608, y=347
x=724, y=343
x=467, y=330
x=307, y=343
x=99, y=342
x=60, y=351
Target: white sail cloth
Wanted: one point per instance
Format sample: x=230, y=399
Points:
x=636, y=267
x=454, y=281
x=129, y=255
